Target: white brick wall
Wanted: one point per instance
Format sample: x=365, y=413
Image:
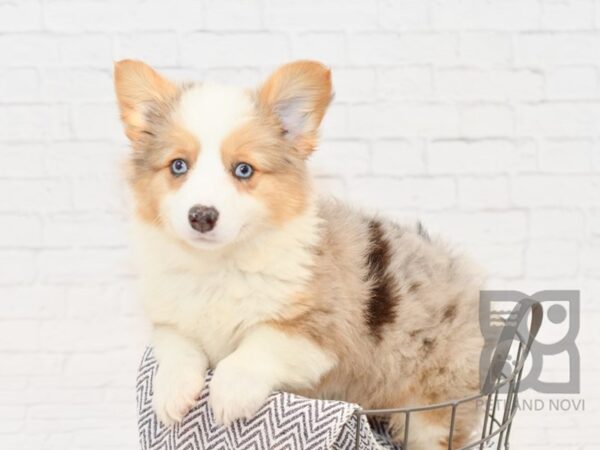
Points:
x=480, y=116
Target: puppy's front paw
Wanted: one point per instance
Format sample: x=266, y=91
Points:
x=177, y=386
x=237, y=392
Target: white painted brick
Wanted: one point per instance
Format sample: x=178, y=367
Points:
x=105, y=194
x=558, y=119
x=25, y=231
x=11, y=426
x=19, y=335
x=24, y=441
x=30, y=122
x=130, y=305
x=329, y=48
x=115, y=15
x=89, y=16
x=32, y=302
x=18, y=266
x=81, y=159
x=566, y=156
x=589, y=333
x=19, y=85
x=494, y=14
x=66, y=412
x=28, y=50
x=485, y=156
x=87, y=50
x=110, y=437
x=547, y=258
x=233, y=49
x=594, y=221
x=233, y=15
x=402, y=120
x=403, y=83
x=546, y=49
x=483, y=192
x=405, y=15
x=96, y=302
x=62, y=395
x=85, y=335
x=398, y=158
x=331, y=15
x=481, y=227
x=35, y=196
x=572, y=83
x=485, y=48
x=487, y=121
x=353, y=84
x=590, y=259
x=555, y=191
x=88, y=230
x=427, y=194
x=21, y=161
x=119, y=395
x=12, y=412
x=501, y=260
x=25, y=15
x=62, y=85
x=23, y=364
x=335, y=123
x=343, y=158
x=411, y=48
x=90, y=369
x=96, y=121
x=497, y=85
x=567, y=15
x=89, y=266
x=157, y=49
x=556, y=224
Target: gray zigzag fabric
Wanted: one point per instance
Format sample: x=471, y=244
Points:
x=286, y=422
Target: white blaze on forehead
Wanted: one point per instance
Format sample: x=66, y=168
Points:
x=212, y=111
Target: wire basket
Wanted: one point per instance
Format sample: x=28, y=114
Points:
x=495, y=430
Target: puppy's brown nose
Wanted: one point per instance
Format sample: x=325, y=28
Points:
x=203, y=218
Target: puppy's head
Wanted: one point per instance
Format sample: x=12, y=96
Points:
x=213, y=164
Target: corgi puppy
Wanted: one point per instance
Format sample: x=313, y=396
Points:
x=244, y=269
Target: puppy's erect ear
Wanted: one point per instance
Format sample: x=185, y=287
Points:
x=298, y=94
x=141, y=92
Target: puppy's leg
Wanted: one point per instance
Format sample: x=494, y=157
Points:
x=429, y=430
x=423, y=432
x=267, y=359
x=180, y=377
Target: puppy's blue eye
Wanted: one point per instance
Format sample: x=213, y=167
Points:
x=243, y=170
x=178, y=167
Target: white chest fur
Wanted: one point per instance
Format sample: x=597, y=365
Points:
x=215, y=297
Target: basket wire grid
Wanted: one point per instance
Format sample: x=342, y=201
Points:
x=511, y=340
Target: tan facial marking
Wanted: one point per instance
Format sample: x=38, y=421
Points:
x=146, y=101
x=279, y=178
x=150, y=171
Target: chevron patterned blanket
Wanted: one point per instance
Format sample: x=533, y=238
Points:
x=286, y=421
